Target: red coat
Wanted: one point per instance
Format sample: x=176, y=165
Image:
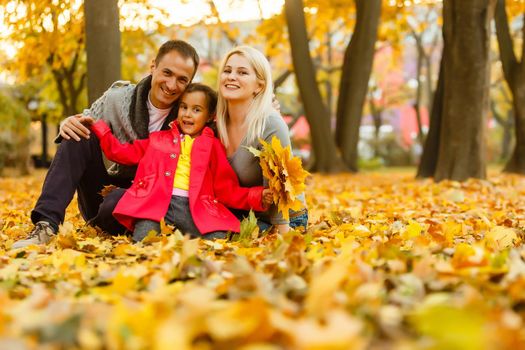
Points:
x=213, y=183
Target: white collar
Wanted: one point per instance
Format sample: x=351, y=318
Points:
x=155, y=109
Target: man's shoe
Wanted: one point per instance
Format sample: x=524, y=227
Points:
x=41, y=234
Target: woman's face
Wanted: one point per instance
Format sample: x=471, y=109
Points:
x=238, y=80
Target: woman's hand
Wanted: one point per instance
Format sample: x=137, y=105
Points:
x=267, y=198
x=75, y=127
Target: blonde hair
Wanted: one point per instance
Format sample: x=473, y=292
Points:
x=261, y=106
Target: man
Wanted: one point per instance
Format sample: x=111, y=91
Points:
x=133, y=111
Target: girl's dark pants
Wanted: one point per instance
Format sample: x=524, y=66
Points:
x=178, y=215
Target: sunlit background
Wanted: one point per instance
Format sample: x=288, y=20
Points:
x=190, y=12
x=395, y=115
x=184, y=13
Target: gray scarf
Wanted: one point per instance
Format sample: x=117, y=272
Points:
x=138, y=112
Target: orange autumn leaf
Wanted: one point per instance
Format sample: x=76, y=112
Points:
x=107, y=190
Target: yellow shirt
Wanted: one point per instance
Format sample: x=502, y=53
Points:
x=182, y=174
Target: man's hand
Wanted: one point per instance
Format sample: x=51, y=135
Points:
x=267, y=198
x=75, y=127
x=87, y=121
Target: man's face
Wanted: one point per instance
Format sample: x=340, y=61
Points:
x=170, y=78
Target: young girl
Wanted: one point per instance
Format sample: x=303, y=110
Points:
x=183, y=175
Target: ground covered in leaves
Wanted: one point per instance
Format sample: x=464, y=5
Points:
x=388, y=262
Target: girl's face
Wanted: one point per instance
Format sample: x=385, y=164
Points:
x=193, y=113
x=238, y=80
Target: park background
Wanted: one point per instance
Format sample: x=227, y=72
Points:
x=428, y=256
x=383, y=55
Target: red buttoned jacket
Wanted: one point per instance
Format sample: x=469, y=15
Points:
x=213, y=182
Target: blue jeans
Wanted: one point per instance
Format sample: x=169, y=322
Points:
x=301, y=220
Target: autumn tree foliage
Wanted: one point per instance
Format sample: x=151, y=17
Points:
x=353, y=25
x=51, y=45
x=325, y=155
x=421, y=25
x=357, y=66
x=49, y=36
x=353, y=84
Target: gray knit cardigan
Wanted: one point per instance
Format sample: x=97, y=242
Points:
x=124, y=107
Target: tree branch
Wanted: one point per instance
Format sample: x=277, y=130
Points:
x=59, y=80
x=294, y=120
x=80, y=84
x=281, y=78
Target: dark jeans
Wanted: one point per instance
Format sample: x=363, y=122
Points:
x=299, y=219
x=78, y=166
x=178, y=215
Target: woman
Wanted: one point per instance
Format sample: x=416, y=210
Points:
x=245, y=115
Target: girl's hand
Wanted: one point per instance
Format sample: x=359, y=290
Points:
x=267, y=198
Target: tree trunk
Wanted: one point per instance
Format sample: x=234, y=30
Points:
x=357, y=66
x=516, y=163
x=506, y=141
x=428, y=162
x=102, y=45
x=326, y=158
x=45, y=153
x=514, y=72
x=466, y=28
x=429, y=66
x=429, y=85
x=419, y=90
x=328, y=81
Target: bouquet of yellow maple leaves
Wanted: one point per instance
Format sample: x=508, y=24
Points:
x=284, y=172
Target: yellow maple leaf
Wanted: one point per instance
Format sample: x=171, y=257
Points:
x=285, y=174
x=412, y=230
x=449, y=326
x=500, y=237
